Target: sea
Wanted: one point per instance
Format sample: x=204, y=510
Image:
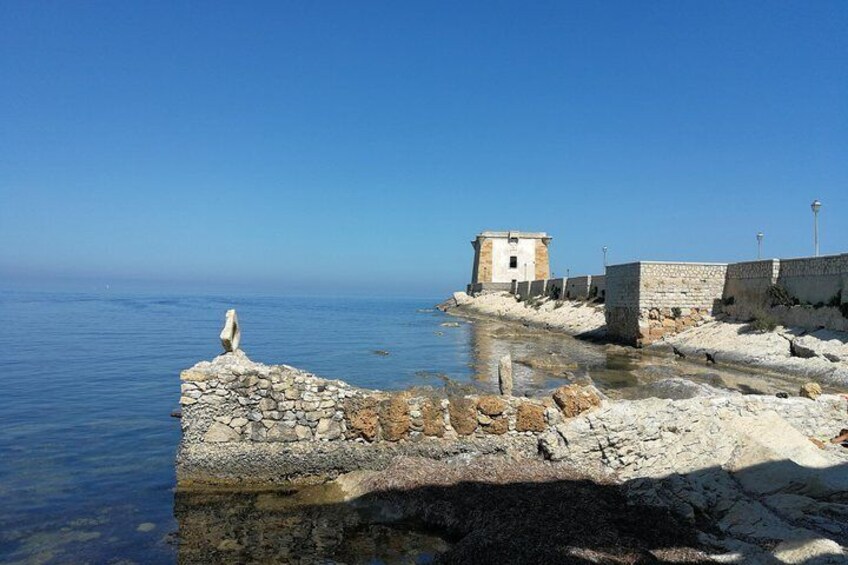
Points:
x=90, y=381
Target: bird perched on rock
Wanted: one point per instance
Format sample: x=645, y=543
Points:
x=678, y=353
x=710, y=357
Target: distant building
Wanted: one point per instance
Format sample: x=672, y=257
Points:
x=504, y=257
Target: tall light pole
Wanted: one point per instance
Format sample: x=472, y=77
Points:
x=816, y=206
x=604, y=249
x=760, y=245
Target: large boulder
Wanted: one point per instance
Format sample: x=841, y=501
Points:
x=530, y=418
x=363, y=421
x=463, y=415
x=576, y=399
x=394, y=417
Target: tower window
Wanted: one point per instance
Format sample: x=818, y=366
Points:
x=513, y=262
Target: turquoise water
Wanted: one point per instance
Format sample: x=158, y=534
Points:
x=87, y=443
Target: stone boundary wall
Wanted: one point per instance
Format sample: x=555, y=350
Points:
x=577, y=288
x=537, y=288
x=233, y=400
x=555, y=288
x=522, y=290
x=597, y=286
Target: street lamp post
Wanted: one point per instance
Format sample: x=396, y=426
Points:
x=816, y=206
x=760, y=245
x=604, y=249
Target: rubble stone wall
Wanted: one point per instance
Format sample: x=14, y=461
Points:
x=232, y=401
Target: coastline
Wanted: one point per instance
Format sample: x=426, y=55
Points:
x=731, y=343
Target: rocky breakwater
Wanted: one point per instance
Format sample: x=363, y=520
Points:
x=246, y=422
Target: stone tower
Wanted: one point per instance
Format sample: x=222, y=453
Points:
x=501, y=257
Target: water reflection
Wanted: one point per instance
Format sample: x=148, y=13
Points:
x=306, y=525
x=543, y=360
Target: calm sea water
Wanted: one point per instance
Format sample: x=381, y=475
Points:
x=88, y=382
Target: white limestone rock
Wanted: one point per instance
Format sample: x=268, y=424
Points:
x=231, y=334
x=505, y=375
x=220, y=433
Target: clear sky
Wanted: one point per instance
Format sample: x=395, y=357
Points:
x=357, y=147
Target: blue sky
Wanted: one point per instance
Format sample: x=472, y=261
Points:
x=318, y=146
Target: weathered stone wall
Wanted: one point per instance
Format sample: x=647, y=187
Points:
x=818, y=287
x=648, y=300
x=232, y=401
x=815, y=280
x=543, y=270
x=577, y=288
x=537, y=288
x=523, y=290
x=555, y=288
x=597, y=286
x=746, y=286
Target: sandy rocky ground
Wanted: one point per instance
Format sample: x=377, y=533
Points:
x=820, y=355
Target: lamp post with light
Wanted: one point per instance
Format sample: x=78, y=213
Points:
x=604, y=249
x=816, y=206
x=760, y=245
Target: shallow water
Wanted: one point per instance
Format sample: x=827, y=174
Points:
x=89, y=380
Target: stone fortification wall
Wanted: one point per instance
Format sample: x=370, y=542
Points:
x=746, y=286
x=648, y=300
x=577, y=288
x=810, y=293
x=815, y=280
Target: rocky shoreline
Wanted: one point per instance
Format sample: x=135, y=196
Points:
x=820, y=355
x=750, y=476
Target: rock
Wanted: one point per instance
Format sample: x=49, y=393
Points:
x=394, y=417
x=303, y=432
x=328, y=429
x=280, y=432
x=810, y=390
x=461, y=298
x=676, y=388
x=491, y=405
x=433, y=416
x=463, y=415
x=811, y=550
x=575, y=399
x=146, y=527
x=552, y=363
x=828, y=344
x=381, y=352
x=220, y=433
x=530, y=418
x=231, y=334
x=505, y=375
x=498, y=426
x=449, y=324
x=362, y=418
